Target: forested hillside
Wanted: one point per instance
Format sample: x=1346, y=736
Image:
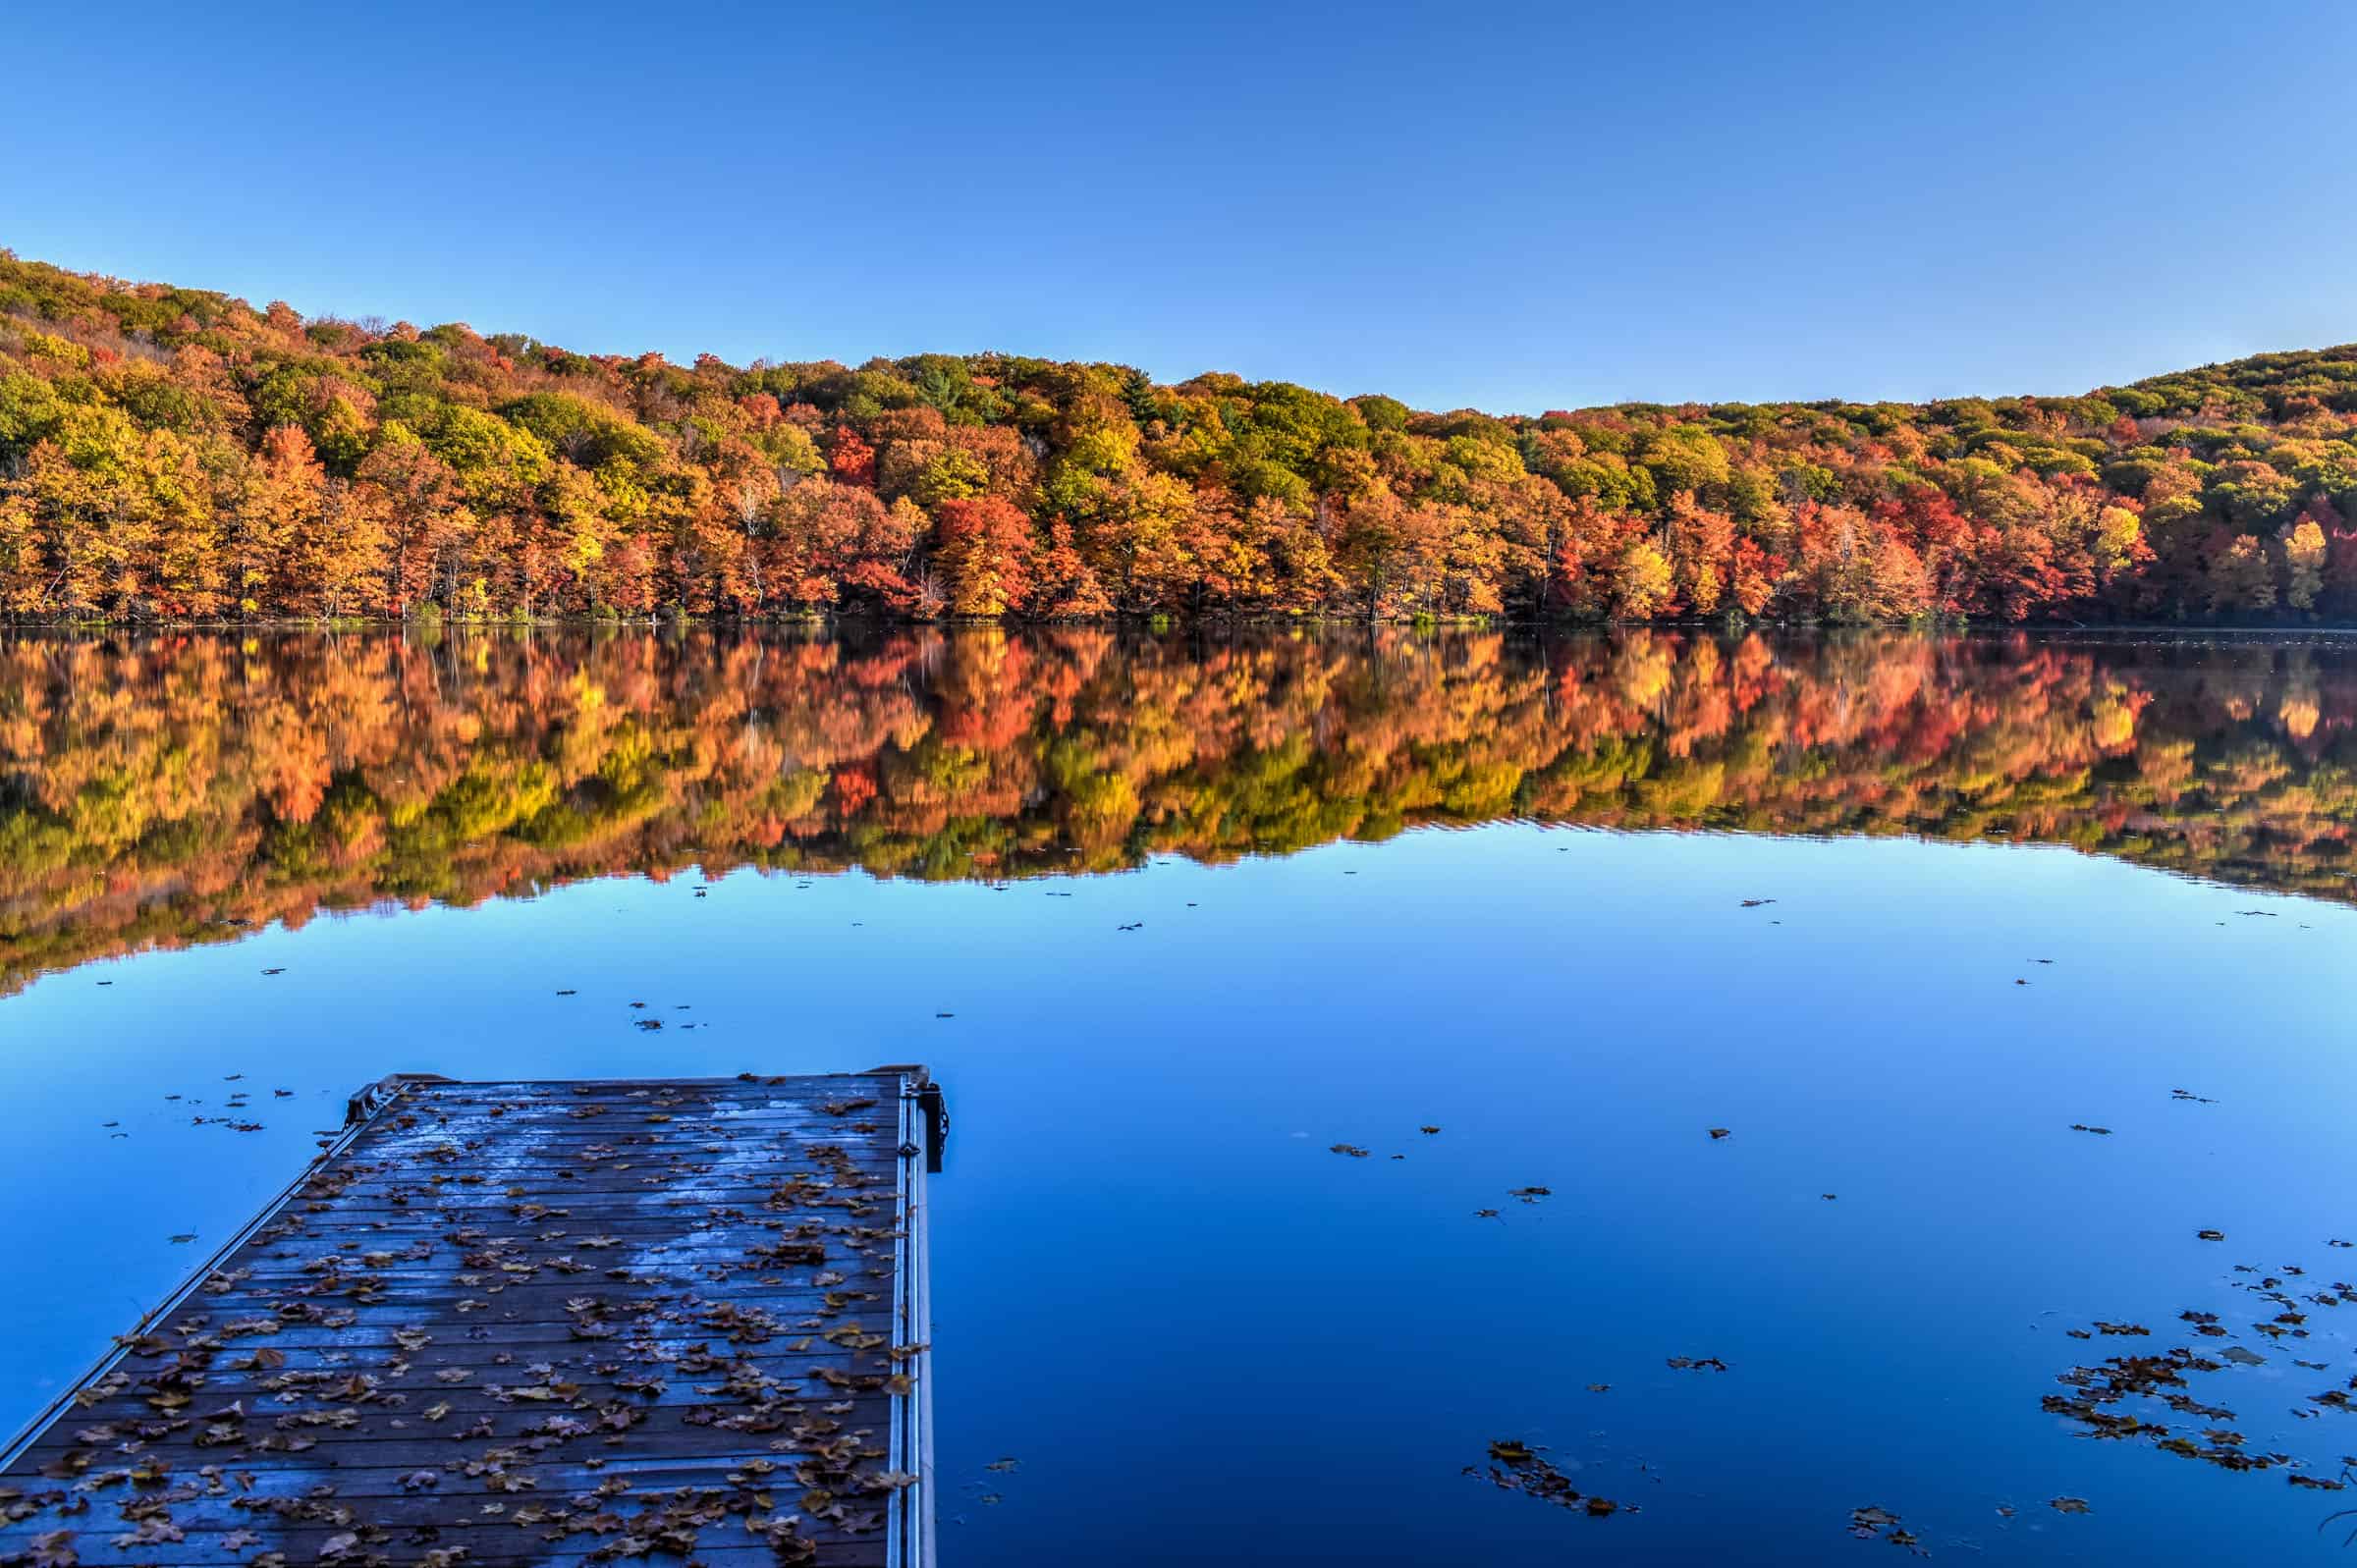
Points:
x=167, y=453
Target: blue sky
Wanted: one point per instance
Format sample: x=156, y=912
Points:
x=1514, y=208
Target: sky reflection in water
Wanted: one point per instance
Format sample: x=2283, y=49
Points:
x=1203, y=1333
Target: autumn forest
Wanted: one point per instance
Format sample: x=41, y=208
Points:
x=168, y=454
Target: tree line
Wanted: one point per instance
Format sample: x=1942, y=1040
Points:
x=157, y=791
x=174, y=455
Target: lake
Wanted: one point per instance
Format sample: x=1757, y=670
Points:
x=1933, y=1049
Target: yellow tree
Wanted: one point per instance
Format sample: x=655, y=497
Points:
x=1642, y=581
x=336, y=563
x=2304, y=551
x=22, y=570
x=182, y=573
x=124, y=520
x=986, y=547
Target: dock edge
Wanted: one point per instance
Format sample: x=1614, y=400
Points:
x=910, y=1526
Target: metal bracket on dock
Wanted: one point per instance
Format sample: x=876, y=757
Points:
x=937, y=1124
x=921, y=1087
x=368, y=1102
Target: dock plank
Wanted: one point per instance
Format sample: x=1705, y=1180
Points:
x=533, y=1322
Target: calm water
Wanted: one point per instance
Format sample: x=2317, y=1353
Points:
x=1488, y=886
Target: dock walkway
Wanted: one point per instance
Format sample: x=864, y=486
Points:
x=500, y=1324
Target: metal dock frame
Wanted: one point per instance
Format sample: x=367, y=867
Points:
x=909, y=1529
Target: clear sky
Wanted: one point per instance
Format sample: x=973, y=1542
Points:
x=1515, y=208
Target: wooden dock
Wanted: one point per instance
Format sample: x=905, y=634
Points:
x=500, y=1324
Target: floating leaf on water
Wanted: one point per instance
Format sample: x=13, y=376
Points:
x=1350, y=1149
x=1517, y=1467
x=1696, y=1364
x=1531, y=1194
x=1428, y=1131
x=2068, y=1505
x=2100, y=1132
x=1870, y=1522
x=2210, y=1235
x=1718, y=1133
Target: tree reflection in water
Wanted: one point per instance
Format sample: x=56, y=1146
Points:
x=177, y=790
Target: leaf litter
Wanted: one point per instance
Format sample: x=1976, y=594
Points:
x=1870, y=1522
x=2163, y=1400
x=517, y=1414
x=1516, y=1466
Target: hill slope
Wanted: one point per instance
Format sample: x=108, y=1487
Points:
x=172, y=454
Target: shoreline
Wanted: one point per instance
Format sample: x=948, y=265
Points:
x=1152, y=625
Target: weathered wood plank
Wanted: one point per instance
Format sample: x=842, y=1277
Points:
x=532, y=1321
